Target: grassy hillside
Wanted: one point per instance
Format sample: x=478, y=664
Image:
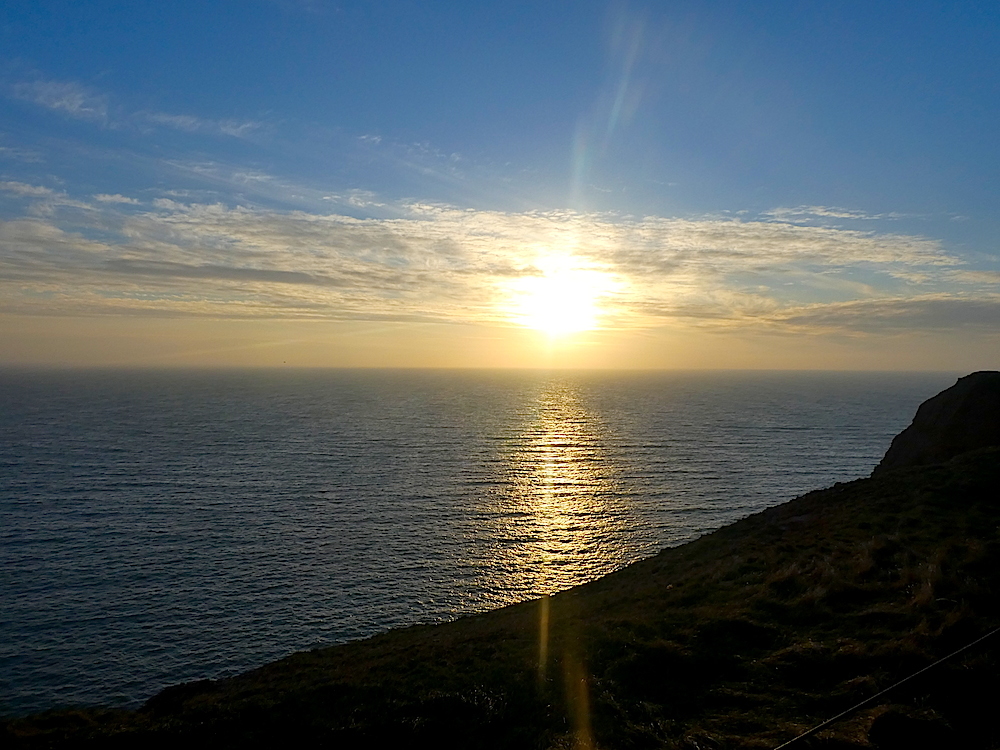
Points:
x=740, y=639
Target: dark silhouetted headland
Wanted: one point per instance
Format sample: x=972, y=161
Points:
x=959, y=419
x=741, y=639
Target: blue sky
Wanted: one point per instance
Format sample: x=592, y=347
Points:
x=379, y=183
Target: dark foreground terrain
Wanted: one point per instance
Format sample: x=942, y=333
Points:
x=741, y=639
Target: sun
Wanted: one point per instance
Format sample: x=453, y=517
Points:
x=562, y=300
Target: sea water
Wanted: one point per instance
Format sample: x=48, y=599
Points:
x=164, y=526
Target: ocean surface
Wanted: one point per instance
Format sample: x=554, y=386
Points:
x=164, y=526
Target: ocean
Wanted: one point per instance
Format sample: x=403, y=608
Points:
x=164, y=526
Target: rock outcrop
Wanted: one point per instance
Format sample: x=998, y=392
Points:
x=960, y=419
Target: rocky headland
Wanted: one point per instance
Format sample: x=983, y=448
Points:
x=744, y=638
x=960, y=419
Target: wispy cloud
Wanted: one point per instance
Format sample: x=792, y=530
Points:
x=356, y=198
x=976, y=277
x=166, y=269
x=20, y=154
x=66, y=97
x=813, y=213
x=42, y=200
x=85, y=103
x=115, y=198
x=25, y=190
x=192, y=124
x=440, y=263
x=420, y=157
x=938, y=312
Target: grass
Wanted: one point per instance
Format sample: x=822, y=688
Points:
x=741, y=639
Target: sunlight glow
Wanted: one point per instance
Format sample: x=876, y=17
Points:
x=567, y=495
x=564, y=299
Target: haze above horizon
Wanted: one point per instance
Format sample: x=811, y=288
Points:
x=590, y=184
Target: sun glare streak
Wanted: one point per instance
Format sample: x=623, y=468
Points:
x=543, y=638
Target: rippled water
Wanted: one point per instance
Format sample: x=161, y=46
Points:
x=157, y=527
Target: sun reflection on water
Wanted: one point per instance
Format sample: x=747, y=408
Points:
x=569, y=515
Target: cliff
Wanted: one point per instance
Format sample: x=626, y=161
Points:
x=741, y=639
x=959, y=419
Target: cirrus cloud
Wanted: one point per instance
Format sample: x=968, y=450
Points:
x=436, y=262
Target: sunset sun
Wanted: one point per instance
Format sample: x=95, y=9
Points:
x=562, y=300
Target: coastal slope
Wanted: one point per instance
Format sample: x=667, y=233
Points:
x=743, y=638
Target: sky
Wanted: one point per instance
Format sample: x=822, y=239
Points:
x=775, y=185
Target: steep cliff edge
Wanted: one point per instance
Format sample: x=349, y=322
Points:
x=960, y=419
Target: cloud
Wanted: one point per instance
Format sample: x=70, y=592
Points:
x=66, y=97
x=421, y=158
x=20, y=154
x=43, y=200
x=25, y=190
x=228, y=273
x=657, y=244
x=435, y=262
x=928, y=313
x=356, y=199
x=192, y=124
x=83, y=103
x=116, y=198
x=178, y=122
x=976, y=277
x=813, y=213
x=236, y=128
